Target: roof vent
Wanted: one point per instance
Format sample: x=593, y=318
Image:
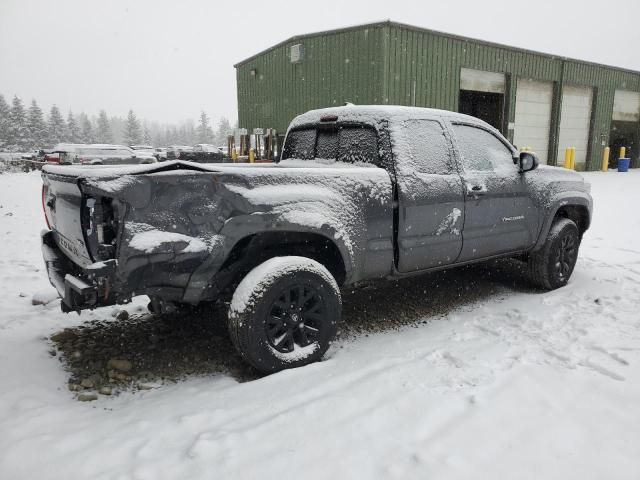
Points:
x=297, y=53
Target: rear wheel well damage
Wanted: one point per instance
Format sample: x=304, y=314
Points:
x=255, y=249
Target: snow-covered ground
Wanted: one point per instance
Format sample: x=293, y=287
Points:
x=519, y=384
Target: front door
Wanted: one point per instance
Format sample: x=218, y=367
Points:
x=500, y=216
x=430, y=196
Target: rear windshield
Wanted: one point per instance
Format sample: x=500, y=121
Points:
x=345, y=143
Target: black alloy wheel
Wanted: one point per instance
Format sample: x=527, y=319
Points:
x=284, y=313
x=295, y=318
x=566, y=255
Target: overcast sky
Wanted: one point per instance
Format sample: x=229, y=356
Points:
x=167, y=60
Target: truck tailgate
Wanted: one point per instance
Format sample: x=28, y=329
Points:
x=62, y=201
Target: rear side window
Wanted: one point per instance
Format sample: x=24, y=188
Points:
x=424, y=147
x=346, y=143
x=481, y=151
x=300, y=144
x=358, y=145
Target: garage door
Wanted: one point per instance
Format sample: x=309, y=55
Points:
x=626, y=106
x=533, y=116
x=575, y=120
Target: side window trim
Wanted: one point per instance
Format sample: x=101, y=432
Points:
x=457, y=170
x=458, y=154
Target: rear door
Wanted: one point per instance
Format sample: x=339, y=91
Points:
x=430, y=196
x=500, y=215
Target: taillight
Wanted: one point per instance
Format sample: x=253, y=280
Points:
x=44, y=209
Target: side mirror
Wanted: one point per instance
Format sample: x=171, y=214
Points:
x=528, y=161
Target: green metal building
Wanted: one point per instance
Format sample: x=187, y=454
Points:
x=539, y=101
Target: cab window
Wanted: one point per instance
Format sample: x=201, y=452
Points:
x=425, y=147
x=481, y=151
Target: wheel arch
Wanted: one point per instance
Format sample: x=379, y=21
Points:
x=575, y=208
x=256, y=248
x=579, y=214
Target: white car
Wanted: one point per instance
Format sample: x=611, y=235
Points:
x=100, y=154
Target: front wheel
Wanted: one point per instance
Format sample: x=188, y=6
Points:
x=284, y=313
x=552, y=265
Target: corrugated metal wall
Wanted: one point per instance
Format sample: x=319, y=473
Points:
x=340, y=67
x=389, y=63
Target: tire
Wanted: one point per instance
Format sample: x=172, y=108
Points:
x=284, y=313
x=551, y=266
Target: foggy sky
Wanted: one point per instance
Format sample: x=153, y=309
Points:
x=167, y=60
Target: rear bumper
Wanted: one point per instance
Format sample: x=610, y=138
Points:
x=79, y=289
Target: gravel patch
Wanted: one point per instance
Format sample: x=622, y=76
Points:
x=141, y=352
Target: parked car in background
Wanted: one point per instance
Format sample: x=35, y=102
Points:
x=32, y=155
x=99, y=154
x=52, y=157
x=33, y=160
x=143, y=149
x=160, y=154
x=205, y=153
x=175, y=152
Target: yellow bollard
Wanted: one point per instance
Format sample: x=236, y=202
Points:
x=252, y=155
x=573, y=158
x=623, y=152
x=567, y=158
x=234, y=155
x=605, y=159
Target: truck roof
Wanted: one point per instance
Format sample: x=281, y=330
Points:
x=373, y=114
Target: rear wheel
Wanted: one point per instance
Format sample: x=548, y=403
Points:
x=284, y=313
x=552, y=265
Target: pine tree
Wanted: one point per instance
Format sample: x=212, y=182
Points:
x=73, y=130
x=224, y=130
x=161, y=136
x=204, y=132
x=57, y=126
x=172, y=135
x=103, y=129
x=146, y=136
x=131, y=131
x=36, y=126
x=86, y=129
x=4, y=122
x=18, y=133
x=187, y=133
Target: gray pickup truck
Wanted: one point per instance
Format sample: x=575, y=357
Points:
x=361, y=193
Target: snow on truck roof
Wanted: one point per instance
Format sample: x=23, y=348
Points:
x=373, y=114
